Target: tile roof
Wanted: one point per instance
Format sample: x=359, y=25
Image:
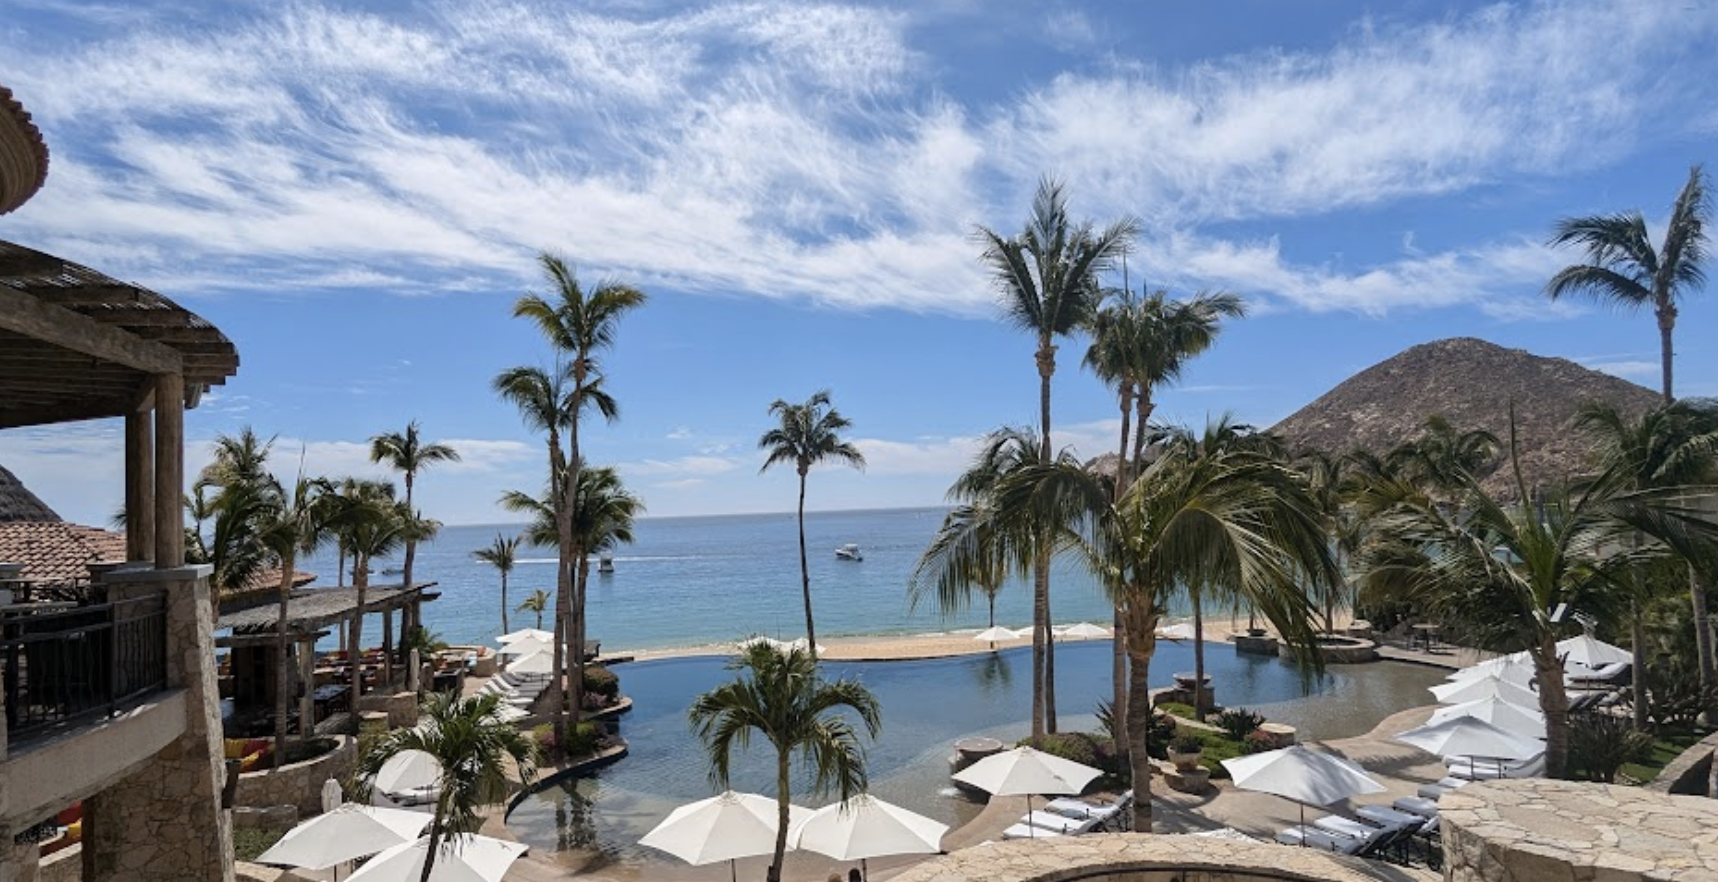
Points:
x=58, y=552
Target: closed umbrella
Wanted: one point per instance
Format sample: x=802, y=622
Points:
x=1512, y=718
x=1084, y=630
x=1024, y=772
x=1591, y=652
x=725, y=827
x=1470, y=737
x=332, y=795
x=462, y=857
x=1476, y=688
x=866, y=827
x=1301, y=774
x=408, y=770
x=347, y=832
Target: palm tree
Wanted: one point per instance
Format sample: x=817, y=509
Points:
x=1048, y=279
x=604, y=517
x=953, y=584
x=239, y=475
x=500, y=555
x=1671, y=446
x=1443, y=457
x=809, y=434
x=579, y=326
x=293, y=525
x=370, y=523
x=1624, y=270
x=536, y=602
x=1498, y=570
x=780, y=696
x=406, y=453
x=474, y=746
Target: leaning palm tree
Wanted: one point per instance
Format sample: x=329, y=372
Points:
x=1624, y=270
x=953, y=581
x=536, y=602
x=779, y=696
x=1048, y=278
x=406, y=453
x=579, y=325
x=500, y=555
x=474, y=746
x=809, y=434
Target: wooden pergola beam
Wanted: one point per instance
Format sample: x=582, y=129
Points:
x=25, y=314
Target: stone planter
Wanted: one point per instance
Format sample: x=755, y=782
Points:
x=1185, y=762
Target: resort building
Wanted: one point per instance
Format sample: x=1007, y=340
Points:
x=110, y=695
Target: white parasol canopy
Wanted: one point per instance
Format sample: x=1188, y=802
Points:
x=1301, y=774
x=540, y=662
x=462, y=857
x=1024, y=771
x=349, y=831
x=527, y=646
x=408, y=770
x=1470, y=736
x=1591, y=652
x=1516, y=668
x=1084, y=630
x=1525, y=722
x=724, y=827
x=994, y=633
x=1476, y=688
x=866, y=827
x=527, y=634
x=1182, y=631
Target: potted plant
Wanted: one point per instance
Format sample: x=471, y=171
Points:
x=1185, y=751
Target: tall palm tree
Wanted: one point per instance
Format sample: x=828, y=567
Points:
x=1672, y=446
x=500, y=554
x=1498, y=570
x=604, y=517
x=370, y=523
x=474, y=746
x=536, y=602
x=809, y=433
x=406, y=453
x=579, y=326
x=1624, y=270
x=1139, y=344
x=952, y=582
x=238, y=474
x=293, y=525
x=779, y=695
x=1048, y=278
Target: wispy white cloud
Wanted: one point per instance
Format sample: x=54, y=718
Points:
x=685, y=465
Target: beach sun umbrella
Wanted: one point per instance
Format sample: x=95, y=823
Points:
x=1301, y=774
x=408, y=770
x=462, y=857
x=1591, y=652
x=1516, y=668
x=1470, y=737
x=527, y=634
x=725, y=827
x=1512, y=718
x=995, y=633
x=1183, y=631
x=348, y=832
x=1477, y=688
x=527, y=646
x=1024, y=772
x=1084, y=630
x=866, y=827
x=539, y=662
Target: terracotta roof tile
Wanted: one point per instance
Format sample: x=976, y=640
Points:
x=58, y=552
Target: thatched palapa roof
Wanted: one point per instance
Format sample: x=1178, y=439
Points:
x=23, y=154
x=17, y=503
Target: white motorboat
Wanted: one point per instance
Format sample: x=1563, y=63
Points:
x=850, y=551
x=605, y=563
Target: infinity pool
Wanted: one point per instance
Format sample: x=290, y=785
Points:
x=927, y=706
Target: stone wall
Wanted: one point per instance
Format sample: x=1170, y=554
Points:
x=1144, y=857
x=1693, y=773
x=401, y=708
x=299, y=784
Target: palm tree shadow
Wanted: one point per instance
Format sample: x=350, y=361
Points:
x=994, y=674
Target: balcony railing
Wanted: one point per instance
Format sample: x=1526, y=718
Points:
x=63, y=667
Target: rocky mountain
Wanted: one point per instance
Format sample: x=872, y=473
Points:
x=1471, y=383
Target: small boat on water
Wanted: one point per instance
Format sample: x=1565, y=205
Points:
x=605, y=563
x=850, y=551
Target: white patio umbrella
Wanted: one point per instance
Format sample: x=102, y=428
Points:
x=1476, y=688
x=1183, y=631
x=725, y=827
x=866, y=827
x=347, y=832
x=332, y=795
x=1084, y=630
x=1526, y=722
x=408, y=770
x=1470, y=737
x=1301, y=774
x=539, y=662
x=527, y=646
x=462, y=857
x=1024, y=772
x=1516, y=668
x=527, y=633
x=1591, y=652
x=995, y=633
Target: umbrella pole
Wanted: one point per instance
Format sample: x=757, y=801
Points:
x=733, y=874
x=864, y=871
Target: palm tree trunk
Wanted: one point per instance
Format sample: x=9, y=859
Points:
x=1046, y=357
x=1141, y=627
x=1553, y=703
x=578, y=642
x=355, y=642
x=1118, y=642
x=435, y=836
x=281, y=669
x=504, y=627
x=1637, y=636
x=1049, y=658
x=805, y=569
x=411, y=543
x=1702, y=627
x=1198, y=659
x=1666, y=313
x=781, y=816
x=563, y=633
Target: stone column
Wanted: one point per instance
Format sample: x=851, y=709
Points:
x=165, y=822
x=139, y=486
x=169, y=471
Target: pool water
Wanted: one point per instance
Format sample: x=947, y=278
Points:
x=927, y=706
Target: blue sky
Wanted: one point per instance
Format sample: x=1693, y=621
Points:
x=355, y=194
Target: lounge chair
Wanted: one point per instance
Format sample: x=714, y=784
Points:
x=1027, y=831
x=1483, y=769
x=1396, y=819
x=1062, y=824
x=1080, y=809
x=1611, y=673
x=1315, y=837
x=1416, y=805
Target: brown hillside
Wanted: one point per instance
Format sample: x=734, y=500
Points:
x=1472, y=384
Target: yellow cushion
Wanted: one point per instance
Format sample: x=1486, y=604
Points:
x=235, y=747
x=250, y=762
x=75, y=832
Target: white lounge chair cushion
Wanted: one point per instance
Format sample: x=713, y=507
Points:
x=1417, y=805
x=1027, y=831
x=1313, y=837
x=1044, y=820
x=1389, y=818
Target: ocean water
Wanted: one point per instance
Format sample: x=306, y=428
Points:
x=694, y=581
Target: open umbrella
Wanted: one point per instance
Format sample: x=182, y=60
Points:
x=724, y=827
x=527, y=646
x=1084, y=630
x=1470, y=737
x=540, y=662
x=1183, y=631
x=1477, y=688
x=527, y=633
x=408, y=770
x=995, y=633
x=348, y=832
x=866, y=827
x=1302, y=775
x=1526, y=722
x=463, y=857
x=1591, y=652
x=1024, y=772
x=1516, y=668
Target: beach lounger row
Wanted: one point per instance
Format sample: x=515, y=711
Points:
x=1379, y=832
x=1068, y=817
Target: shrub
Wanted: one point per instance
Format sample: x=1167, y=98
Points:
x=602, y=681
x=1076, y=746
x=1157, y=737
x=1599, y=745
x=1257, y=742
x=1187, y=744
x=1238, y=722
x=585, y=739
x=1106, y=714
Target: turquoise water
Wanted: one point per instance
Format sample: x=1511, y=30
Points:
x=927, y=706
x=703, y=580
